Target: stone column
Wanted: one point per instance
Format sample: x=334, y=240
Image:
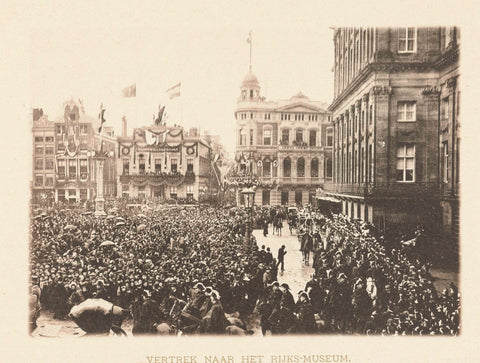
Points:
x=99, y=200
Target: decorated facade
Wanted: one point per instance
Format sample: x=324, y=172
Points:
x=163, y=162
x=283, y=147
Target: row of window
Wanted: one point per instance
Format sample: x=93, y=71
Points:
x=71, y=193
x=43, y=139
x=60, y=129
x=285, y=137
x=284, y=197
x=268, y=170
x=39, y=179
x=157, y=165
x=157, y=191
x=283, y=116
x=47, y=150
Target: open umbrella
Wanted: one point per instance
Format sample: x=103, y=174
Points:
x=120, y=219
x=142, y=215
x=141, y=227
x=110, y=217
x=107, y=243
x=69, y=227
x=38, y=217
x=120, y=224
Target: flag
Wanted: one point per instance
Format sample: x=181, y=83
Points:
x=249, y=39
x=130, y=91
x=101, y=117
x=174, y=91
x=161, y=110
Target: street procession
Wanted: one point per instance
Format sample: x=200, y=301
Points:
x=300, y=217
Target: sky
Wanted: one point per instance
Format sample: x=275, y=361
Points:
x=202, y=47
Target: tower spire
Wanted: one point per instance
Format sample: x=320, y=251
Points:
x=249, y=41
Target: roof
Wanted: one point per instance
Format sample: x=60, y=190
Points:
x=250, y=80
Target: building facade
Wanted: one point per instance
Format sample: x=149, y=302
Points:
x=64, y=156
x=395, y=116
x=164, y=162
x=285, y=144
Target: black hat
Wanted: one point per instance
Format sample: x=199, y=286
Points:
x=285, y=285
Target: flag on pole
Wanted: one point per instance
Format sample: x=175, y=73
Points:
x=174, y=91
x=161, y=110
x=101, y=117
x=130, y=91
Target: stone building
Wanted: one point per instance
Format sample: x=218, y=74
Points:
x=63, y=156
x=164, y=162
x=395, y=116
x=285, y=144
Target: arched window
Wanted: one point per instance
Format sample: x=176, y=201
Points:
x=287, y=168
x=266, y=168
x=301, y=167
x=314, y=168
x=243, y=137
x=267, y=136
x=329, y=168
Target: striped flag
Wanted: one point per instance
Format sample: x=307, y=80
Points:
x=130, y=91
x=101, y=117
x=174, y=91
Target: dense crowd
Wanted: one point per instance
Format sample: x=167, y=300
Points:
x=187, y=269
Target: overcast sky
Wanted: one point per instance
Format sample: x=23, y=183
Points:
x=203, y=48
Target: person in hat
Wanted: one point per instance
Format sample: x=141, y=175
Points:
x=305, y=316
x=281, y=257
x=287, y=299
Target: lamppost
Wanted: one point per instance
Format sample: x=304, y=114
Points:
x=248, y=194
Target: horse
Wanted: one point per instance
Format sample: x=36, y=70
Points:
x=307, y=247
x=279, y=226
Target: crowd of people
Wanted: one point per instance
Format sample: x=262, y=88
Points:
x=188, y=270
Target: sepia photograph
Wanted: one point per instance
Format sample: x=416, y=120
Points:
x=194, y=177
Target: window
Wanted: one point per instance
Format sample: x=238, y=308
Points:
x=406, y=163
x=83, y=194
x=370, y=115
x=299, y=136
x=141, y=192
x=190, y=165
x=445, y=161
x=313, y=138
x=285, y=137
x=61, y=169
x=298, y=197
x=60, y=129
x=407, y=40
x=72, y=193
x=72, y=169
x=267, y=136
x=39, y=150
x=48, y=138
x=49, y=150
x=158, y=165
x=329, y=168
x=243, y=137
x=49, y=164
x=301, y=167
x=83, y=168
x=190, y=191
x=266, y=168
x=126, y=166
x=141, y=163
x=38, y=138
x=158, y=192
x=49, y=180
x=61, y=194
x=370, y=160
x=173, y=165
x=314, y=168
x=83, y=129
x=284, y=197
x=39, y=181
x=38, y=164
x=173, y=192
x=329, y=137
x=287, y=168
x=265, y=197
x=445, y=108
x=251, y=137
x=251, y=93
x=244, y=94
x=406, y=111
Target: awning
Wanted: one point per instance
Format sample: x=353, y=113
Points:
x=329, y=199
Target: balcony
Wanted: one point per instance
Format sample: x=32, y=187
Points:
x=159, y=178
x=386, y=190
x=297, y=146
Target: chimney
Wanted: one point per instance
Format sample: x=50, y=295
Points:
x=124, y=126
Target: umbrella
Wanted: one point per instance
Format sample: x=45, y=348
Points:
x=107, y=243
x=142, y=215
x=110, y=217
x=120, y=219
x=120, y=224
x=69, y=227
x=141, y=227
x=38, y=217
